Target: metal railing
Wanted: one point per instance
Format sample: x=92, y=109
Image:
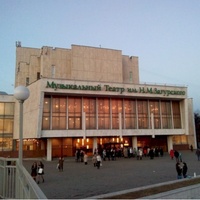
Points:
x=16, y=182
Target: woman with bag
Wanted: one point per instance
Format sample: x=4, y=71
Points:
x=40, y=172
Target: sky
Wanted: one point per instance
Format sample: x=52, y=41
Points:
x=164, y=34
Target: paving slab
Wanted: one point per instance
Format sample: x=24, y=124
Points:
x=80, y=181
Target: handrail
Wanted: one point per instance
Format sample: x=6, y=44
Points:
x=16, y=182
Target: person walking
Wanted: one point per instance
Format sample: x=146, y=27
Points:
x=171, y=153
x=40, y=172
x=98, y=161
x=198, y=154
x=34, y=170
x=60, y=164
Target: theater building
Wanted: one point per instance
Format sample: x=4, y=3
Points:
x=87, y=97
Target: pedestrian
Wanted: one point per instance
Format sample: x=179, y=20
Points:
x=185, y=169
x=77, y=154
x=151, y=153
x=60, y=164
x=40, y=172
x=94, y=160
x=191, y=148
x=81, y=155
x=34, y=170
x=179, y=170
x=98, y=161
x=180, y=157
x=171, y=153
x=104, y=154
x=85, y=158
x=176, y=154
x=198, y=154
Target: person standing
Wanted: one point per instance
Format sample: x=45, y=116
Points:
x=198, y=154
x=176, y=154
x=60, y=164
x=185, y=169
x=40, y=172
x=179, y=170
x=85, y=158
x=34, y=170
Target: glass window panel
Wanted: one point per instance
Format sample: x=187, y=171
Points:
x=103, y=113
x=166, y=115
x=130, y=114
x=176, y=114
x=74, y=112
x=155, y=109
x=116, y=109
x=47, y=104
x=8, y=126
x=46, y=113
x=142, y=114
x=6, y=144
x=9, y=108
x=89, y=107
x=1, y=126
x=59, y=113
x=2, y=108
x=46, y=121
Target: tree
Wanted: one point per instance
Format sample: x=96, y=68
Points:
x=197, y=127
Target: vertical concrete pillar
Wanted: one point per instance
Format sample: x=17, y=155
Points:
x=134, y=142
x=49, y=150
x=94, y=144
x=170, y=143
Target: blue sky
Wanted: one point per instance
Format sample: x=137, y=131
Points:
x=164, y=34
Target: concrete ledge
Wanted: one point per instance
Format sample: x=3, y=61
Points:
x=109, y=195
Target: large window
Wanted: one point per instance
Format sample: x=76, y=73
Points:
x=59, y=113
x=75, y=113
x=166, y=115
x=6, y=126
x=142, y=114
x=155, y=110
x=116, y=109
x=103, y=113
x=176, y=114
x=130, y=114
x=89, y=107
x=62, y=113
x=46, y=113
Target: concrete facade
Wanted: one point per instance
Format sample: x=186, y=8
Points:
x=87, y=72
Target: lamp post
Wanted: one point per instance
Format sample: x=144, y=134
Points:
x=21, y=93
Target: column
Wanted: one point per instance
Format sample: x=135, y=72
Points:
x=134, y=142
x=94, y=144
x=49, y=150
x=169, y=143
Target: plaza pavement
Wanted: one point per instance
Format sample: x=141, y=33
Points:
x=79, y=181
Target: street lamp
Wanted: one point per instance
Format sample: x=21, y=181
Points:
x=21, y=93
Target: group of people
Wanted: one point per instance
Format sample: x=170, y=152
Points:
x=129, y=152
x=181, y=167
x=97, y=161
x=37, y=171
x=81, y=156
